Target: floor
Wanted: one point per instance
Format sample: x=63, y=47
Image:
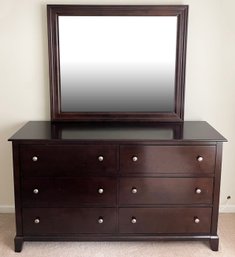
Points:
x=118, y=249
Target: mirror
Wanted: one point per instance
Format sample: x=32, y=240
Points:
x=122, y=63
x=114, y=63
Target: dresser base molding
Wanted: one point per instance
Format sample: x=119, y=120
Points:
x=213, y=240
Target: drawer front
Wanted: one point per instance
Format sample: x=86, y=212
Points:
x=67, y=160
x=67, y=192
x=46, y=221
x=167, y=159
x=165, y=191
x=164, y=220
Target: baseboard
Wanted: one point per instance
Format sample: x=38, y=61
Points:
x=227, y=208
x=7, y=208
x=223, y=209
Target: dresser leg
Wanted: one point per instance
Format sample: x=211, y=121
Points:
x=214, y=244
x=18, y=243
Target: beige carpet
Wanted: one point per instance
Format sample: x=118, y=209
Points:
x=118, y=249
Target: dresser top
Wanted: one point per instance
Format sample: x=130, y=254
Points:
x=185, y=131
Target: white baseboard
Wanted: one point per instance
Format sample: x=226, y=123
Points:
x=7, y=208
x=223, y=209
x=227, y=208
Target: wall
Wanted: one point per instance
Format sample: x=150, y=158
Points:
x=24, y=86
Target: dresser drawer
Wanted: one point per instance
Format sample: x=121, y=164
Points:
x=167, y=159
x=165, y=191
x=165, y=220
x=67, y=160
x=45, y=221
x=67, y=192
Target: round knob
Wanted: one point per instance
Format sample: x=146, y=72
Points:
x=100, y=220
x=35, y=158
x=134, y=190
x=36, y=221
x=100, y=190
x=196, y=220
x=35, y=191
x=133, y=220
x=100, y=158
x=198, y=191
x=200, y=158
x=134, y=158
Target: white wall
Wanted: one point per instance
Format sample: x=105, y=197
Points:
x=210, y=76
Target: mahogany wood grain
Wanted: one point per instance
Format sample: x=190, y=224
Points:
x=214, y=242
x=17, y=191
x=188, y=132
x=69, y=192
x=165, y=191
x=67, y=160
x=167, y=159
x=69, y=220
x=164, y=220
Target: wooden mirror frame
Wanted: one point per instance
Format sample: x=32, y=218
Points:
x=53, y=11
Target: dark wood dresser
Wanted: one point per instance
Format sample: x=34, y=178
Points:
x=107, y=181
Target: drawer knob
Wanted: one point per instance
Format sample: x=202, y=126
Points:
x=200, y=158
x=196, y=220
x=100, y=190
x=35, y=158
x=35, y=191
x=100, y=220
x=36, y=221
x=134, y=158
x=134, y=190
x=133, y=220
x=101, y=158
x=198, y=191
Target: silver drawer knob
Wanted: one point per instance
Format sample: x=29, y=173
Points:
x=35, y=191
x=100, y=220
x=196, y=220
x=35, y=158
x=198, y=191
x=100, y=190
x=100, y=158
x=134, y=190
x=36, y=221
x=134, y=158
x=133, y=220
x=200, y=158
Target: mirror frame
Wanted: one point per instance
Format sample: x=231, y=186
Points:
x=54, y=11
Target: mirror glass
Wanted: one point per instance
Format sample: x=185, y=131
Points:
x=117, y=63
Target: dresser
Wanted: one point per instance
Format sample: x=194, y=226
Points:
x=116, y=181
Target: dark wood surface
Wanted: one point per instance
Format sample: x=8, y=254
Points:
x=69, y=220
x=214, y=242
x=167, y=159
x=196, y=131
x=68, y=176
x=165, y=191
x=54, y=160
x=69, y=192
x=17, y=191
x=54, y=11
x=164, y=220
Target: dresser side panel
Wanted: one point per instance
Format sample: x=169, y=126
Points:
x=17, y=188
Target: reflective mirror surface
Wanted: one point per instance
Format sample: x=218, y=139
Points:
x=117, y=63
